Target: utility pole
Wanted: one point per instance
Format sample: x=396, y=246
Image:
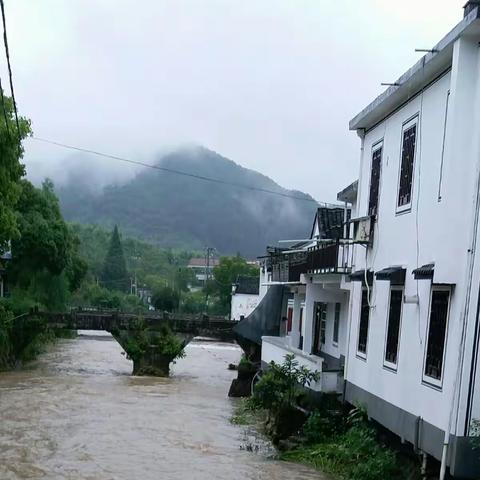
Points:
x=208, y=254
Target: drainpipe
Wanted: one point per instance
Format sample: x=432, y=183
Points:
x=455, y=398
x=361, y=134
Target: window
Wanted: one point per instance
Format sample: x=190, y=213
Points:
x=375, y=180
x=319, y=326
x=406, y=166
x=336, y=323
x=393, y=327
x=437, y=334
x=363, y=325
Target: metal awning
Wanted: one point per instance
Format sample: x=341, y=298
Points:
x=359, y=276
x=425, y=272
x=396, y=275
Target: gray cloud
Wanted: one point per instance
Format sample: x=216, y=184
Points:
x=270, y=84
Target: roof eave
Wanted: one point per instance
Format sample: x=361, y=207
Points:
x=429, y=67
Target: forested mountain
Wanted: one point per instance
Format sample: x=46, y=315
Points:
x=178, y=211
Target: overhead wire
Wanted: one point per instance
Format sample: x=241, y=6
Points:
x=174, y=171
x=4, y=108
x=9, y=66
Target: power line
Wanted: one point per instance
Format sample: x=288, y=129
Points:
x=7, y=53
x=4, y=108
x=176, y=172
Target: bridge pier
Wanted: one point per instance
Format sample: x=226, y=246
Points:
x=152, y=363
x=152, y=351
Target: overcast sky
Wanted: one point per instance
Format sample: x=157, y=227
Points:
x=270, y=84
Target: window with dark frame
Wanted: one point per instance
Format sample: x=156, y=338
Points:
x=363, y=325
x=407, y=164
x=437, y=332
x=323, y=324
x=319, y=326
x=393, y=326
x=375, y=181
x=336, y=323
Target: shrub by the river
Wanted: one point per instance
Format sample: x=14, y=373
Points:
x=347, y=447
x=282, y=384
x=22, y=338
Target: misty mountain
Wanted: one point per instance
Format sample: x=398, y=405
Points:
x=179, y=211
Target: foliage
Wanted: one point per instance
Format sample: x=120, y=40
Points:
x=323, y=425
x=22, y=338
x=138, y=340
x=174, y=210
x=165, y=299
x=281, y=385
x=114, y=274
x=244, y=414
x=193, y=302
x=226, y=273
x=355, y=455
x=11, y=170
x=45, y=265
x=93, y=295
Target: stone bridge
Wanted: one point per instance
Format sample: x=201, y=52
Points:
x=151, y=340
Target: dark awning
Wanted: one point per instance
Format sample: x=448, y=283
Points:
x=359, y=276
x=396, y=275
x=425, y=272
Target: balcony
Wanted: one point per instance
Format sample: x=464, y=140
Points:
x=322, y=259
x=275, y=348
x=332, y=258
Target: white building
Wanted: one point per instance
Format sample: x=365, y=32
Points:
x=316, y=300
x=245, y=297
x=414, y=330
x=201, y=268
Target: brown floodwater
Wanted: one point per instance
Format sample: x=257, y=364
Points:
x=77, y=413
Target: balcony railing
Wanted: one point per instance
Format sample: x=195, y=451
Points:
x=327, y=258
x=331, y=258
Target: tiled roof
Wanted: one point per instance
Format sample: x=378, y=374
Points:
x=247, y=285
x=201, y=262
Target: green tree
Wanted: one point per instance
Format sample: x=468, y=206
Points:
x=114, y=274
x=46, y=265
x=11, y=170
x=165, y=299
x=225, y=274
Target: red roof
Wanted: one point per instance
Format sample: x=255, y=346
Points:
x=200, y=262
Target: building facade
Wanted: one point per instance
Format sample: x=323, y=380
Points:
x=245, y=297
x=413, y=336
x=314, y=275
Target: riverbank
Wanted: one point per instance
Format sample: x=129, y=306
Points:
x=339, y=445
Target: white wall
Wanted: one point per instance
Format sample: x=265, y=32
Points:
x=330, y=295
x=443, y=236
x=243, y=304
x=274, y=349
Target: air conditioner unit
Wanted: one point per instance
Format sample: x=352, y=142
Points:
x=362, y=230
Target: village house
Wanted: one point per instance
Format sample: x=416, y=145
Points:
x=245, y=297
x=385, y=305
x=314, y=275
x=201, y=268
x=414, y=329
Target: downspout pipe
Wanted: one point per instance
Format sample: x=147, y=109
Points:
x=361, y=134
x=471, y=252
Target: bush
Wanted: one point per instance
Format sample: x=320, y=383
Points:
x=355, y=455
x=322, y=426
x=281, y=385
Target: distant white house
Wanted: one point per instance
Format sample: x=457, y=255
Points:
x=200, y=268
x=245, y=297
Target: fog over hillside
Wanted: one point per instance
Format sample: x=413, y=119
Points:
x=179, y=211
